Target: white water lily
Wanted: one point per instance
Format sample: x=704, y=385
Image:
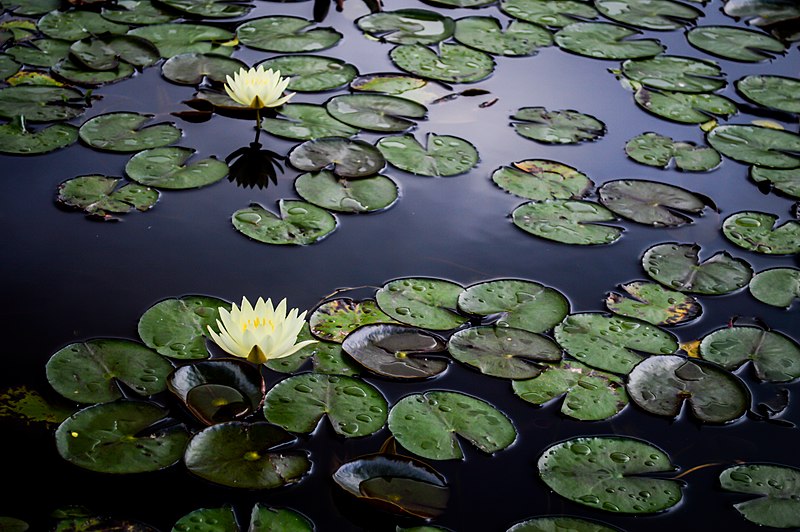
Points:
x=258, y=88
x=261, y=333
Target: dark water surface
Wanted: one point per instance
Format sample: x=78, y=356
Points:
x=69, y=279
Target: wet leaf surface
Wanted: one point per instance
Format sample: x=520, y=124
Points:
x=678, y=266
x=41, y=104
x=549, y=13
x=76, y=25
x=675, y=73
x=442, y=155
x=304, y=121
x=487, y=35
x=175, y=39
x=126, y=132
x=98, y=195
x=75, y=73
x=786, y=181
x=601, y=40
x=778, y=286
x=756, y=145
x=16, y=139
x=556, y=523
x=567, y=221
x=760, y=232
x=376, y=112
x=139, y=12
x=542, y=180
x=650, y=202
x=653, y=149
x=659, y=15
x=422, y=302
x=286, y=34
x=104, y=53
x=218, y=9
x=557, y=127
x=177, y=327
x=684, y=108
x=346, y=157
x=297, y=223
x=775, y=357
x=166, y=168
x=208, y=520
x=407, y=26
x=192, y=68
x=368, y=194
x=775, y=92
x=453, y=63
x=40, y=52
x=312, y=73
x=737, y=44
x=334, y=320
x=326, y=358
x=268, y=519
x=654, y=304
x=779, y=489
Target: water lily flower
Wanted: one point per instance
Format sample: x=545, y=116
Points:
x=258, y=88
x=261, y=333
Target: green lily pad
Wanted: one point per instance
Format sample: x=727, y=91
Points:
x=469, y=4
x=81, y=519
x=675, y=73
x=304, y=121
x=737, y=44
x=515, y=303
x=682, y=107
x=775, y=357
x=775, y=16
x=557, y=127
x=16, y=139
x=453, y=63
x=42, y=53
x=660, y=385
x=11, y=524
x=326, y=357
x=778, y=286
x=405, y=86
x=105, y=53
x=786, y=181
x=353, y=407
x=32, y=8
x=176, y=327
x=761, y=146
x=193, y=68
x=678, y=266
x=487, y=35
x=8, y=66
x=607, y=473
x=549, y=13
x=41, y=103
x=368, y=194
x=208, y=520
x=602, y=40
x=653, y=149
x=166, y=168
x=123, y=132
x=266, y=519
x=99, y=195
x=407, y=26
x=74, y=72
x=442, y=155
x=775, y=92
x=243, y=455
x=397, y=351
x=25, y=405
x=117, y=438
x=175, y=39
x=348, y=158
x=654, y=304
x=650, y=202
x=427, y=424
x=76, y=25
x=337, y=318
x=376, y=112
x=757, y=231
x=589, y=395
x=561, y=522
x=297, y=223
x=779, y=502
x=210, y=8
x=88, y=372
x=312, y=73
x=422, y=302
x=542, y=180
x=137, y=12
x=659, y=15
x=286, y=34
x=567, y=221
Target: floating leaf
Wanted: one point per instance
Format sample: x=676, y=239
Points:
x=210, y=8
x=368, y=194
x=40, y=52
x=487, y=35
x=375, y=112
x=422, y=302
x=193, y=68
x=76, y=73
x=659, y=15
x=654, y=304
x=441, y=156
x=327, y=357
x=32, y=8
x=542, y=180
x=297, y=223
x=653, y=149
x=567, y=221
x=41, y=103
x=453, y=63
x=761, y=146
x=549, y=13
x=427, y=424
x=660, y=385
x=675, y=73
x=337, y=318
x=304, y=121
x=208, y=519
x=266, y=519
x=177, y=327
x=166, y=168
x=778, y=286
x=99, y=195
x=76, y=25
x=10, y=524
x=312, y=73
x=779, y=502
x=682, y=107
x=601, y=40
x=16, y=139
x=561, y=522
x=678, y=266
x=104, y=53
x=775, y=92
x=123, y=132
x=348, y=158
x=470, y=4
x=606, y=473
x=557, y=127
x=8, y=66
x=779, y=17
x=409, y=87
x=775, y=357
x=757, y=231
x=407, y=26
x=737, y=44
x=286, y=34
x=786, y=181
x=175, y=39
x=650, y=202
x=138, y=12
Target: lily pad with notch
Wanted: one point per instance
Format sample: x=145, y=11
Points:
x=77, y=74
x=326, y=357
x=561, y=522
x=312, y=73
x=602, y=40
x=403, y=85
x=487, y=35
x=650, y=202
x=174, y=39
x=422, y=302
x=268, y=519
x=334, y=320
x=367, y=194
x=675, y=73
x=654, y=304
x=177, y=327
x=211, y=519
x=453, y=63
x=442, y=155
x=774, y=92
x=31, y=8
x=682, y=107
x=775, y=357
x=17, y=139
x=758, y=232
x=286, y=35
x=41, y=103
x=124, y=132
x=99, y=195
x=658, y=15
x=736, y=44
x=653, y=149
x=136, y=12
x=468, y=4
x=192, y=68
x=105, y=52
x=298, y=223
x=567, y=221
x=777, y=286
x=305, y=121
x=542, y=180
x=376, y=112
x=557, y=127
x=42, y=53
x=778, y=487
x=549, y=13
x=215, y=9
x=166, y=168
x=678, y=267
x=407, y=26
x=761, y=146
x=76, y=25
x=347, y=157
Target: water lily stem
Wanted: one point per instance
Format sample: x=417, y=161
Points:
x=258, y=125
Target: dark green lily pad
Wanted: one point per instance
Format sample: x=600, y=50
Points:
x=678, y=266
x=557, y=127
x=561, y=522
x=589, y=395
x=775, y=92
x=353, y=407
x=105, y=53
x=40, y=52
x=116, y=438
x=786, y=181
x=654, y=304
x=759, y=232
x=779, y=502
x=32, y=8
x=422, y=302
x=408, y=87
x=659, y=15
x=123, y=132
x=312, y=73
x=682, y=107
x=72, y=519
x=192, y=68
x=453, y=63
x=407, y=26
x=11, y=524
x=397, y=351
x=737, y=44
x=442, y=155
x=166, y=168
x=469, y=4
x=650, y=202
x=567, y=221
x=337, y=318
x=177, y=327
x=607, y=473
x=778, y=286
x=99, y=195
x=761, y=146
x=286, y=34
x=661, y=384
x=305, y=121
x=602, y=40
x=427, y=424
x=175, y=39
x=210, y=8
x=348, y=158
x=138, y=12
x=88, y=372
x=515, y=303
x=77, y=74
x=8, y=66
x=779, y=16
x=297, y=223
x=16, y=139
x=326, y=357
x=376, y=112
x=368, y=194
x=775, y=357
x=41, y=103
x=25, y=405
x=653, y=149
x=243, y=455
x=76, y=25
x=549, y=13
x=542, y=180
x=266, y=519
x=487, y=35
x=675, y=73
x=208, y=520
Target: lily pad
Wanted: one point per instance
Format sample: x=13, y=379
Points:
x=397, y=351
x=442, y=155
x=650, y=202
x=567, y=221
x=245, y=455
x=779, y=502
x=76, y=25
x=487, y=35
x=166, y=168
x=312, y=73
x=105, y=53
x=208, y=520
x=589, y=395
x=75, y=73
x=602, y=40
x=99, y=195
x=453, y=63
x=210, y=8
x=348, y=158
x=42, y=53
x=561, y=522
x=193, y=68
x=175, y=39
x=775, y=92
x=549, y=13
x=653, y=149
x=123, y=132
x=368, y=194
x=737, y=44
x=682, y=107
x=31, y=8
x=775, y=357
x=286, y=34
x=678, y=266
x=786, y=181
x=542, y=180
x=11, y=524
x=118, y=438
x=660, y=385
x=177, y=327
x=376, y=112
x=427, y=424
x=407, y=26
x=659, y=15
x=469, y=4
x=138, y=12
x=422, y=302
x=757, y=231
x=608, y=473
x=557, y=127
x=297, y=223
x=266, y=519
x=337, y=318
x=305, y=121
x=16, y=139
x=41, y=103
x=776, y=16
x=761, y=146
x=8, y=66
x=675, y=73
x=654, y=304
x=327, y=358
x=778, y=286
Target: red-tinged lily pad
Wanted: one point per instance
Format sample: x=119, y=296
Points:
x=337, y=318
x=397, y=351
x=654, y=304
x=541, y=180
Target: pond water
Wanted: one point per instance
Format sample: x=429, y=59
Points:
x=69, y=278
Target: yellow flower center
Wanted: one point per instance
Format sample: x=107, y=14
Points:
x=258, y=322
